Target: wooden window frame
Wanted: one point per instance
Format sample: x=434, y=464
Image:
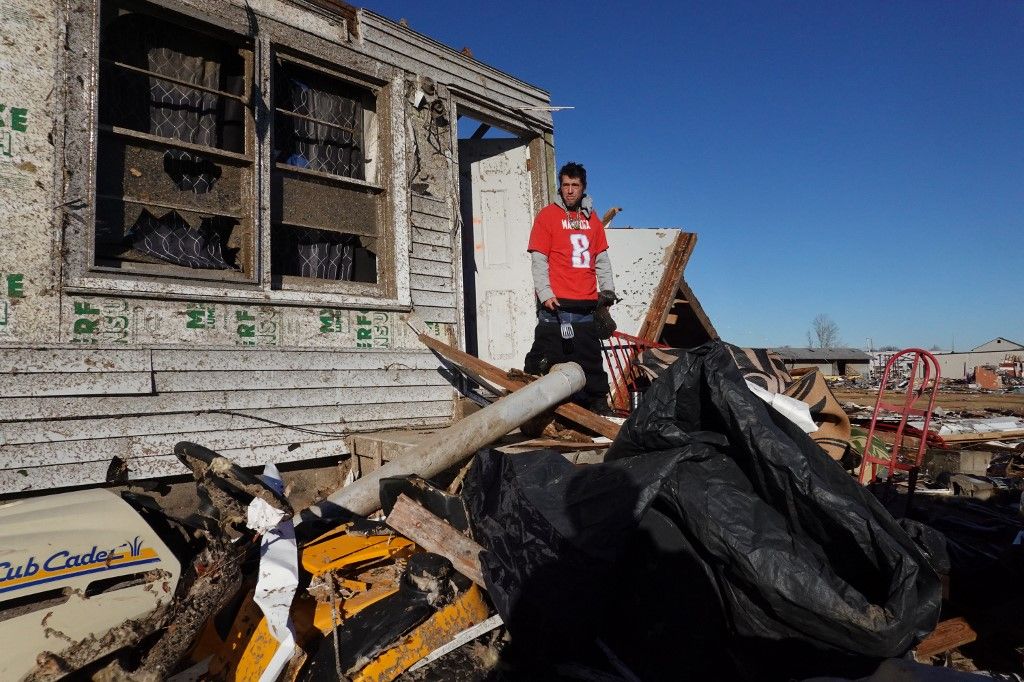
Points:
x=275, y=34
x=381, y=96
x=248, y=271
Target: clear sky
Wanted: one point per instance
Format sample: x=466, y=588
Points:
x=859, y=159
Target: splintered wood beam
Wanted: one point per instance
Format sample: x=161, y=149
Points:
x=435, y=535
x=488, y=372
x=610, y=215
x=665, y=293
x=949, y=634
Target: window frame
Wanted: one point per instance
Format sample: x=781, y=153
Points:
x=246, y=158
x=278, y=34
x=384, y=255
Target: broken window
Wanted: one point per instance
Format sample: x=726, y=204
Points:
x=326, y=208
x=173, y=156
x=182, y=155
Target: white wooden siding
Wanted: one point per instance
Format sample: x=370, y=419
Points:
x=253, y=405
x=152, y=456
x=78, y=383
x=432, y=260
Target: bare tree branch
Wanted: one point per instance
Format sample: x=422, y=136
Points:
x=825, y=331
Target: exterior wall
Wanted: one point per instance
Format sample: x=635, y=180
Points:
x=824, y=368
x=833, y=368
x=961, y=365
x=100, y=377
x=999, y=344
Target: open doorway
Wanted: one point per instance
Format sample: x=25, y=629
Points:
x=497, y=209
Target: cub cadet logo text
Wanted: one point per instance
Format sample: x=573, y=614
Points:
x=65, y=564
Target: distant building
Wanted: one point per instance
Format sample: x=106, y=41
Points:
x=997, y=351
x=828, y=361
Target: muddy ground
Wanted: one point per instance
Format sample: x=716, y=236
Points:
x=975, y=401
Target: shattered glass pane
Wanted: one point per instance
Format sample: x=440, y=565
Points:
x=171, y=239
x=191, y=171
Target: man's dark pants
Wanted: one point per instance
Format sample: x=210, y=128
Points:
x=549, y=348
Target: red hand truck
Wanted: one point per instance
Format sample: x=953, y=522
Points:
x=897, y=459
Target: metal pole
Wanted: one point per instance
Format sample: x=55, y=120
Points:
x=450, y=446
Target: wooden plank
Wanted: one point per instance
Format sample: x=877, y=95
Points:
x=425, y=221
x=948, y=635
x=208, y=420
x=429, y=283
x=556, y=444
x=148, y=445
x=430, y=314
x=435, y=535
x=74, y=407
x=169, y=382
x=421, y=236
x=428, y=267
x=77, y=383
x=982, y=436
x=667, y=287
x=442, y=254
x=193, y=360
x=433, y=299
x=430, y=206
x=67, y=360
x=570, y=411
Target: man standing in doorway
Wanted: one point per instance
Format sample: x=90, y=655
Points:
x=572, y=274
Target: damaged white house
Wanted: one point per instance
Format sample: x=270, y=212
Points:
x=218, y=218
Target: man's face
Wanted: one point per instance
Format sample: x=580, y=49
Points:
x=571, y=190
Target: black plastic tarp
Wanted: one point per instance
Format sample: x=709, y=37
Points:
x=717, y=537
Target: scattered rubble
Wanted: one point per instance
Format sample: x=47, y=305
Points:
x=708, y=500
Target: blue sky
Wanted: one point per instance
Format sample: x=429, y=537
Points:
x=859, y=159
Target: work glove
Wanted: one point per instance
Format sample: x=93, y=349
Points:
x=607, y=298
x=604, y=325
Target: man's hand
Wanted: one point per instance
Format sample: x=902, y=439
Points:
x=551, y=304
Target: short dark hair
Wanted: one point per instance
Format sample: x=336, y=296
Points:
x=573, y=170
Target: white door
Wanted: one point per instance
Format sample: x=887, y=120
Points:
x=497, y=212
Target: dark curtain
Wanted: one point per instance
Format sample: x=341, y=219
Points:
x=310, y=144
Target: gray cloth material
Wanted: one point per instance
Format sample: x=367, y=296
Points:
x=586, y=204
x=605, y=278
x=541, y=281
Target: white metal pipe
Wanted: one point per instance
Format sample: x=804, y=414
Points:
x=450, y=446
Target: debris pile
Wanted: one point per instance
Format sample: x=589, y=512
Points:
x=712, y=536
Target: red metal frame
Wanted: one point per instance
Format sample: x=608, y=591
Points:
x=928, y=365
x=619, y=353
